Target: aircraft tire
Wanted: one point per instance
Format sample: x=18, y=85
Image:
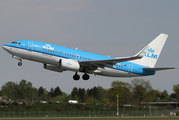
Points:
x=86, y=77
x=20, y=63
x=76, y=77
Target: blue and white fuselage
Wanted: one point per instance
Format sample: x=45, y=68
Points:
x=59, y=59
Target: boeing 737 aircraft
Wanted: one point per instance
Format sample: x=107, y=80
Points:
x=59, y=59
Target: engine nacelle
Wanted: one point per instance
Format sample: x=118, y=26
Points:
x=67, y=64
x=52, y=68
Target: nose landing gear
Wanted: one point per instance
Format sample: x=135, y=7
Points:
x=15, y=57
x=20, y=63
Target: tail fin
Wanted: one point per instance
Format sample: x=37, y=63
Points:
x=153, y=52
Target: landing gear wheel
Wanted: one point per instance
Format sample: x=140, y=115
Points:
x=86, y=77
x=76, y=77
x=20, y=63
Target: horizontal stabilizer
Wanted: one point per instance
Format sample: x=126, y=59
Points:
x=158, y=69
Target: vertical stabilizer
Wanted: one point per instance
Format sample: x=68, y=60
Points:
x=153, y=52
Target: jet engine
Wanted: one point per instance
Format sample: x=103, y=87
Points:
x=52, y=68
x=67, y=64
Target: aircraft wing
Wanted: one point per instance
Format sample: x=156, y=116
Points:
x=110, y=62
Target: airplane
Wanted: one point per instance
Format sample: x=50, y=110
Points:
x=58, y=58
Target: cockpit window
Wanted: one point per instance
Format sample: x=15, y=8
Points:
x=17, y=43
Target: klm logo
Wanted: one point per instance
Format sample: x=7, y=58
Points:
x=68, y=63
x=48, y=47
x=151, y=54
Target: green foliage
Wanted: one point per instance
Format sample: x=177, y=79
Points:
x=57, y=92
x=75, y=92
x=59, y=98
x=82, y=94
x=23, y=90
x=140, y=87
x=101, y=93
x=150, y=96
x=122, y=89
x=9, y=90
x=3, y=104
x=176, y=90
x=177, y=114
x=138, y=91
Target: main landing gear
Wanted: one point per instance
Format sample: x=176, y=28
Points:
x=77, y=77
x=86, y=77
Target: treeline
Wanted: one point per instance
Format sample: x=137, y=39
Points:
x=138, y=91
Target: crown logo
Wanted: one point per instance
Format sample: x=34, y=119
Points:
x=151, y=50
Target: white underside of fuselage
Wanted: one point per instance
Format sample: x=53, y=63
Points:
x=50, y=59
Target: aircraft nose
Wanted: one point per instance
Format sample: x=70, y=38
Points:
x=4, y=47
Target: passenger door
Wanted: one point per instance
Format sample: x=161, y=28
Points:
x=130, y=68
x=30, y=46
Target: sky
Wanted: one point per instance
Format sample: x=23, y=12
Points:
x=117, y=28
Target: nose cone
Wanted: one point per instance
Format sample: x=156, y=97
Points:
x=5, y=47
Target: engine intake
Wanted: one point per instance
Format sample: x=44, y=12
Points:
x=52, y=68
